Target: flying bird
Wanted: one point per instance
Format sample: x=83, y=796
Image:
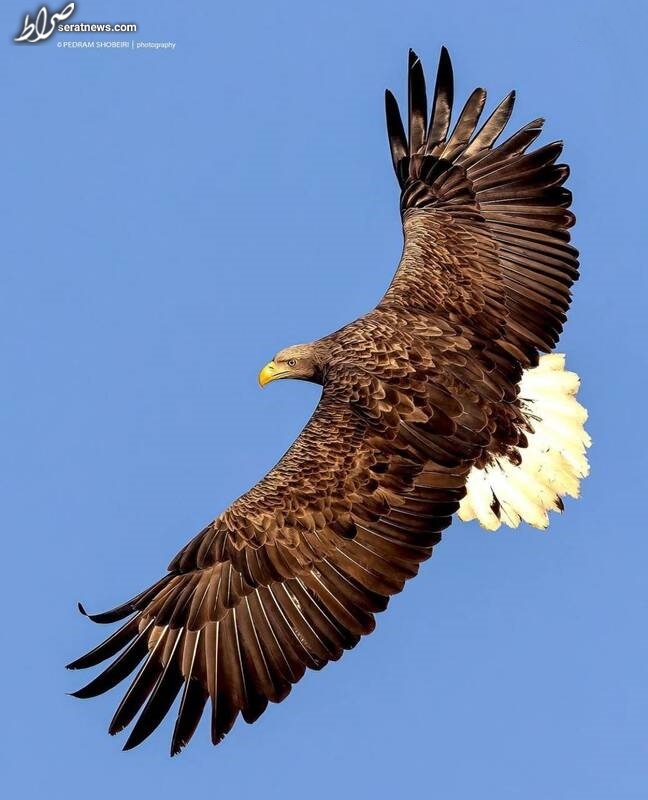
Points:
x=444, y=399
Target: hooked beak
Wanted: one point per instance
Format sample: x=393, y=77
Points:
x=268, y=373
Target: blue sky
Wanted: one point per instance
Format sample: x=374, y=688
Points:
x=171, y=219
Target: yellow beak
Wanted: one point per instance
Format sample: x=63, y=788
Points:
x=268, y=373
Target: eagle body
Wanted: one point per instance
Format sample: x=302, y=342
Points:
x=445, y=399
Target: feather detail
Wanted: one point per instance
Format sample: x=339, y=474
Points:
x=553, y=463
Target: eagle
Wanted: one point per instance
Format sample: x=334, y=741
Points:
x=446, y=399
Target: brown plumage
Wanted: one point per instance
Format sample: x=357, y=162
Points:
x=415, y=394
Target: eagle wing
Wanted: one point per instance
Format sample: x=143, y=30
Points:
x=292, y=573
x=486, y=225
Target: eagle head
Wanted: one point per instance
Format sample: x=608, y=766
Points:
x=301, y=361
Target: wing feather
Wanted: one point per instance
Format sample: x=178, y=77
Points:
x=417, y=101
x=442, y=103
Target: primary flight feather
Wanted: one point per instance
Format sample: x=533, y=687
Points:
x=439, y=401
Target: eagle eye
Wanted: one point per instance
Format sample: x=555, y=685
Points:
x=292, y=362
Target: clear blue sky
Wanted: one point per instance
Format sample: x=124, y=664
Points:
x=170, y=220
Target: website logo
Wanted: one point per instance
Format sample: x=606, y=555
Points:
x=44, y=24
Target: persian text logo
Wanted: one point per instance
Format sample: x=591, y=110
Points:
x=44, y=24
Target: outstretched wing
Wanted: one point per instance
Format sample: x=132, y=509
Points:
x=292, y=573
x=486, y=225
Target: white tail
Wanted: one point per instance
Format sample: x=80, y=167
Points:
x=552, y=465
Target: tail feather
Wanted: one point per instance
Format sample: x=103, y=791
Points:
x=553, y=463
